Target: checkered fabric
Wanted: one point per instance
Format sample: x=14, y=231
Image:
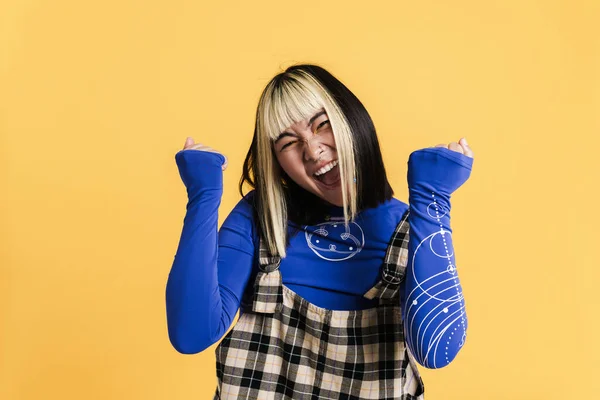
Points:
x=288, y=348
x=394, y=265
x=268, y=289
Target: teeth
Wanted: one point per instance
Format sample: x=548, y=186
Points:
x=326, y=168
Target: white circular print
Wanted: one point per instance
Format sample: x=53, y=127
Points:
x=332, y=241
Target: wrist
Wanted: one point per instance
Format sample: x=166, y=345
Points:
x=437, y=170
x=200, y=170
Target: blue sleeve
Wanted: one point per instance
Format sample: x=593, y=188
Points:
x=211, y=269
x=434, y=315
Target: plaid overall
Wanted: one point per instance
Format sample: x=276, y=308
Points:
x=284, y=347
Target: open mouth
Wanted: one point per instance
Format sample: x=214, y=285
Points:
x=329, y=175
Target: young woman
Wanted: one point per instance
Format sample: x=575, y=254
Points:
x=340, y=286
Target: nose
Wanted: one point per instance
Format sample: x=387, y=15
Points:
x=311, y=151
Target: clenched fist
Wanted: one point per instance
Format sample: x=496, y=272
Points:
x=190, y=145
x=461, y=147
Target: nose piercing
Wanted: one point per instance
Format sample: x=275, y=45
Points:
x=320, y=154
x=320, y=149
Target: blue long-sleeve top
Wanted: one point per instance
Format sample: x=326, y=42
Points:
x=213, y=267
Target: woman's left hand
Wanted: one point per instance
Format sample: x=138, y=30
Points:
x=461, y=147
x=436, y=170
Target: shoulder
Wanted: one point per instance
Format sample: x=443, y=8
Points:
x=381, y=221
x=242, y=216
x=390, y=208
x=244, y=208
x=395, y=209
x=397, y=205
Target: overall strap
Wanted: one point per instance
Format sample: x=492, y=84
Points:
x=268, y=287
x=394, y=264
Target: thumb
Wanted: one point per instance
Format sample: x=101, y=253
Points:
x=465, y=145
x=188, y=142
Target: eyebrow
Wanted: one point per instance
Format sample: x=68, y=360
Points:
x=310, y=122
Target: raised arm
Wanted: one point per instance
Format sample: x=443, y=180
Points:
x=435, y=320
x=210, y=269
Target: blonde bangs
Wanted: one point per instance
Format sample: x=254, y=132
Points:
x=291, y=102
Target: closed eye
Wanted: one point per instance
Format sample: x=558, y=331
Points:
x=287, y=144
x=322, y=124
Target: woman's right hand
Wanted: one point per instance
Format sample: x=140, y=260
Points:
x=190, y=145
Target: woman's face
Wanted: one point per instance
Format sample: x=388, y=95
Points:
x=306, y=152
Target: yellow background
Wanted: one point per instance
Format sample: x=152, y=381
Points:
x=97, y=97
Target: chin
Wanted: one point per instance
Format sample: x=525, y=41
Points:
x=338, y=203
x=332, y=196
x=335, y=200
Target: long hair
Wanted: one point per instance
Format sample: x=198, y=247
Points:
x=291, y=96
